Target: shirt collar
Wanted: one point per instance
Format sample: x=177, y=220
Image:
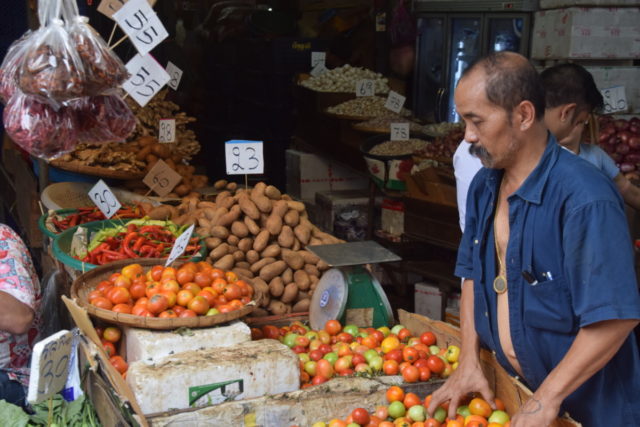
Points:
x=532, y=188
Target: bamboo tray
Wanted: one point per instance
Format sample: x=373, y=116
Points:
x=101, y=172
x=88, y=281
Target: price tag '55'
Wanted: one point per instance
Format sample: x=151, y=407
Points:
x=244, y=157
x=104, y=199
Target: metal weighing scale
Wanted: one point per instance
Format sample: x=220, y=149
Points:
x=348, y=292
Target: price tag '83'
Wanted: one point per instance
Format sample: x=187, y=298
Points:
x=244, y=157
x=104, y=199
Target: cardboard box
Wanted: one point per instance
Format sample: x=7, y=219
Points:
x=428, y=300
x=555, y=4
x=343, y=213
x=587, y=33
x=308, y=174
x=629, y=77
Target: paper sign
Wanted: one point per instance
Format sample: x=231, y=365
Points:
x=395, y=101
x=49, y=366
x=318, y=70
x=147, y=78
x=365, y=87
x=167, y=130
x=109, y=7
x=162, y=179
x=175, y=74
x=399, y=131
x=244, y=157
x=615, y=99
x=317, y=58
x=138, y=21
x=180, y=245
x=104, y=199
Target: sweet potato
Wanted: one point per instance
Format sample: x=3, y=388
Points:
x=311, y=269
x=233, y=240
x=296, y=245
x=228, y=218
x=238, y=256
x=298, y=206
x=243, y=273
x=162, y=212
x=261, y=241
x=272, y=192
x=220, y=184
x=219, y=232
x=274, y=224
x=264, y=204
x=301, y=278
x=243, y=264
x=258, y=189
x=257, y=266
x=215, y=216
x=239, y=229
x=301, y=306
x=259, y=312
x=280, y=208
x=271, y=251
x=272, y=270
x=252, y=256
x=290, y=293
x=232, y=186
x=278, y=308
x=212, y=242
x=285, y=238
x=309, y=257
x=276, y=287
x=225, y=263
x=303, y=233
x=204, y=204
x=245, y=244
x=220, y=196
x=287, y=276
x=293, y=259
x=219, y=251
x=251, y=225
x=249, y=208
x=291, y=218
x=322, y=266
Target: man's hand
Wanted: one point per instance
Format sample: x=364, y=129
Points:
x=464, y=380
x=536, y=412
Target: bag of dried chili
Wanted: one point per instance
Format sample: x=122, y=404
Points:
x=104, y=118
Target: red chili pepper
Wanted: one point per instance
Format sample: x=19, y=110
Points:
x=58, y=224
x=141, y=240
x=125, y=244
x=73, y=220
x=131, y=228
x=114, y=255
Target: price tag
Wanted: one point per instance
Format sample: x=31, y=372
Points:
x=147, y=78
x=180, y=245
x=104, y=199
x=318, y=70
x=109, y=7
x=244, y=157
x=162, y=179
x=399, y=131
x=615, y=99
x=395, y=101
x=365, y=87
x=175, y=74
x=138, y=21
x=167, y=130
x=49, y=366
x=318, y=58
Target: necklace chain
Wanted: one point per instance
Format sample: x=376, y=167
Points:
x=500, y=282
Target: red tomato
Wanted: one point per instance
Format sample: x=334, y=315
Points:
x=435, y=364
x=428, y=338
x=360, y=416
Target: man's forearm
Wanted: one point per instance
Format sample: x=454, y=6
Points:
x=470, y=343
x=15, y=317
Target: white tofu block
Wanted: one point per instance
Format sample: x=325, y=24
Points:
x=209, y=377
x=149, y=345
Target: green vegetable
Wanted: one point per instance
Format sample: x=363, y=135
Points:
x=12, y=415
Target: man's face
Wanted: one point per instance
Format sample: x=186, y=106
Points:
x=488, y=127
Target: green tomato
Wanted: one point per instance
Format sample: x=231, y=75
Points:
x=376, y=363
x=499, y=417
x=434, y=349
x=310, y=368
x=396, y=409
x=396, y=329
x=452, y=354
x=331, y=357
x=290, y=340
x=463, y=410
x=440, y=414
x=319, y=424
x=385, y=330
x=370, y=354
x=312, y=335
x=212, y=312
x=363, y=334
x=351, y=329
x=353, y=425
x=417, y=413
x=304, y=357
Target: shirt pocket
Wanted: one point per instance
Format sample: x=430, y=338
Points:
x=547, y=305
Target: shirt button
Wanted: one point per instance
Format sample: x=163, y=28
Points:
x=513, y=260
x=486, y=314
x=475, y=241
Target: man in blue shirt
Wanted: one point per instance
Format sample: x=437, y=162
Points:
x=547, y=261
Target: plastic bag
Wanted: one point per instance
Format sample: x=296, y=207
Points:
x=103, y=119
x=55, y=317
x=403, y=27
x=38, y=127
x=9, y=67
x=104, y=71
x=51, y=69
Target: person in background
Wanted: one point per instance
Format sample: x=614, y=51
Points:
x=19, y=315
x=571, y=96
x=547, y=260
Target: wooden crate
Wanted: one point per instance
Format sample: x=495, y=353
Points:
x=511, y=391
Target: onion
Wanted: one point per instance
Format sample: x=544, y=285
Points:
x=634, y=142
x=634, y=128
x=622, y=149
x=627, y=167
x=624, y=136
x=609, y=129
x=633, y=158
x=621, y=124
x=617, y=157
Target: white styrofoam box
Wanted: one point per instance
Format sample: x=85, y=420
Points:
x=149, y=345
x=308, y=174
x=555, y=4
x=428, y=300
x=629, y=77
x=208, y=377
x=588, y=33
x=346, y=209
x=453, y=301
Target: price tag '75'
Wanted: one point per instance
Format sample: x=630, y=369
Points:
x=244, y=157
x=180, y=245
x=104, y=199
x=399, y=131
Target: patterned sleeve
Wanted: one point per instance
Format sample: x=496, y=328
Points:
x=17, y=274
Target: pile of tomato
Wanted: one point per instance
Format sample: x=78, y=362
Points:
x=409, y=410
x=110, y=337
x=194, y=289
x=349, y=350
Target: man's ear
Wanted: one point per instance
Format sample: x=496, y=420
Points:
x=567, y=111
x=525, y=115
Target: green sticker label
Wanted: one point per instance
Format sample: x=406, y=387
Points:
x=213, y=394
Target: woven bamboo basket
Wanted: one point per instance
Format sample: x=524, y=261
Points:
x=88, y=281
x=101, y=172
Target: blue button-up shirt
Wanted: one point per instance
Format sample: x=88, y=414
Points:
x=568, y=229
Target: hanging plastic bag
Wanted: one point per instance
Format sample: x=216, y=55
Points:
x=104, y=71
x=51, y=69
x=103, y=119
x=10, y=64
x=38, y=127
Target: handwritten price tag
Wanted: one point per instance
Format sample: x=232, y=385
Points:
x=49, y=366
x=615, y=99
x=395, y=102
x=399, y=131
x=104, y=199
x=175, y=74
x=318, y=58
x=138, y=21
x=244, y=157
x=162, y=179
x=109, y=7
x=147, y=78
x=365, y=87
x=167, y=130
x=180, y=245
x=318, y=70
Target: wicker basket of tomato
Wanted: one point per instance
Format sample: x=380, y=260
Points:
x=145, y=294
